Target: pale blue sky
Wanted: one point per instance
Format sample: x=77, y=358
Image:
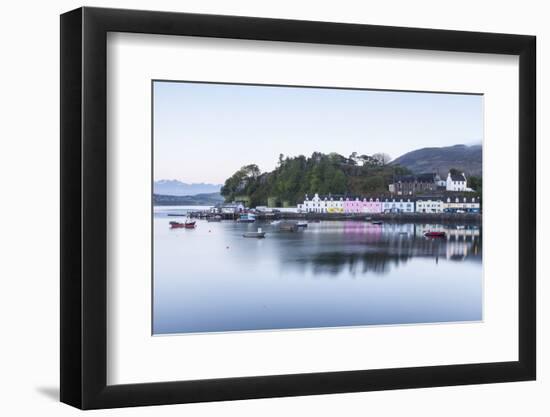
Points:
x=205, y=132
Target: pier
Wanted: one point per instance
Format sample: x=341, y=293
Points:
x=389, y=217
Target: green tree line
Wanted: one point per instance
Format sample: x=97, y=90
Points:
x=320, y=173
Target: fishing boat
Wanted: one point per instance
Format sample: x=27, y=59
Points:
x=258, y=235
x=189, y=225
x=435, y=234
x=176, y=225
x=247, y=218
x=301, y=224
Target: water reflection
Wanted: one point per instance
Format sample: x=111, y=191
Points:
x=334, y=273
x=363, y=247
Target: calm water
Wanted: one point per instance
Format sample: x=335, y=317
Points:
x=333, y=273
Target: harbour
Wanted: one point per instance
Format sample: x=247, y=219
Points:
x=345, y=272
x=393, y=217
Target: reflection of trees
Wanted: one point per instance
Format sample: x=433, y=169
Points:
x=335, y=262
x=364, y=249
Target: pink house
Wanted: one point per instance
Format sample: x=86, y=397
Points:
x=372, y=205
x=353, y=205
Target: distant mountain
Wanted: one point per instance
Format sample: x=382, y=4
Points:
x=175, y=187
x=209, y=199
x=439, y=160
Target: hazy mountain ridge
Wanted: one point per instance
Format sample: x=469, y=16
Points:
x=178, y=188
x=462, y=157
x=207, y=199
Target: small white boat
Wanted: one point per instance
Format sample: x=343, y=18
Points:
x=301, y=224
x=275, y=222
x=259, y=234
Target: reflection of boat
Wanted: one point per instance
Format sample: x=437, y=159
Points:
x=435, y=234
x=288, y=226
x=377, y=222
x=247, y=218
x=258, y=234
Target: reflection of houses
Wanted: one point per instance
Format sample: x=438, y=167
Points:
x=413, y=184
x=392, y=244
x=429, y=204
x=228, y=208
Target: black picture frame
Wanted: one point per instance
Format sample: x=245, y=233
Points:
x=84, y=207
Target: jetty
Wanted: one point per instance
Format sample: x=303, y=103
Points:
x=469, y=218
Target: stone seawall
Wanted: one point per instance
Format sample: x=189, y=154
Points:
x=393, y=217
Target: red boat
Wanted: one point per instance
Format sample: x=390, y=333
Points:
x=186, y=225
x=435, y=234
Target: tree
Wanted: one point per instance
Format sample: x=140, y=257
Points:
x=338, y=183
x=475, y=183
x=320, y=173
x=251, y=171
x=382, y=158
x=240, y=182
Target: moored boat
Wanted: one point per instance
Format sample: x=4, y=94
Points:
x=259, y=234
x=247, y=218
x=301, y=224
x=377, y=222
x=435, y=234
x=176, y=225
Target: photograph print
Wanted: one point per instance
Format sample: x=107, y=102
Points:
x=288, y=207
